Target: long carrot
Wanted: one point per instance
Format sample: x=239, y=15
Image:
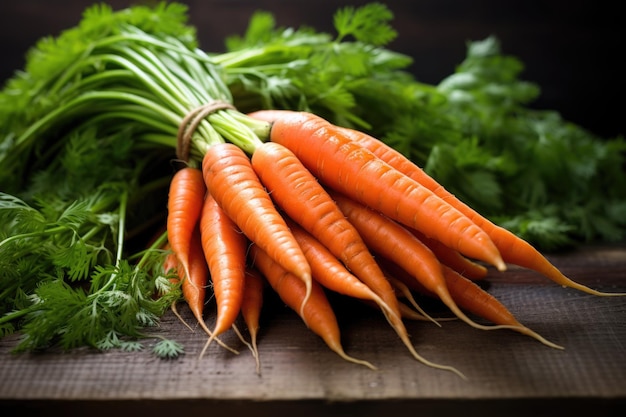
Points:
x=513, y=249
x=298, y=193
x=391, y=240
x=317, y=314
x=344, y=165
x=233, y=183
x=251, y=306
x=224, y=248
x=184, y=204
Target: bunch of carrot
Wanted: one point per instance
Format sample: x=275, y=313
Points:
x=318, y=208
x=275, y=198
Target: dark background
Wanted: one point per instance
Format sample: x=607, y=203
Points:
x=572, y=49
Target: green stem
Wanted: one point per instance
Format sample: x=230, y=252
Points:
x=138, y=114
x=120, y=247
x=157, y=85
x=47, y=232
x=82, y=103
x=121, y=228
x=15, y=314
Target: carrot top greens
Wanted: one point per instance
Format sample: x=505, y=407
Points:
x=548, y=180
x=88, y=131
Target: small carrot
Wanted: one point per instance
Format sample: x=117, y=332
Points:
x=170, y=264
x=512, y=248
x=344, y=165
x=224, y=248
x=235, y=186
x=396, y=243
x=251, y=306
x=171, y=267
x=194, y=284
x=186, y=195
x=317, y=314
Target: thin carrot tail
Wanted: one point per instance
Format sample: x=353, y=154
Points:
x=251, y=346
x=398, y=326
x=406, y=292
x=451, y=304
x=543, y=266
x=411, y=314
x=462, y=287
x=529, y=332
x=251, y=309
x=206, y=346
x=338, y=349
x=213, y=336
x=179, y=317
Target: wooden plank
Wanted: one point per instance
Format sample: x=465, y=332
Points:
x=299, y=374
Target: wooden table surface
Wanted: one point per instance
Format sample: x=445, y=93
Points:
x=508, y=374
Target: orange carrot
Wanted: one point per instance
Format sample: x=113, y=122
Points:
x=294, y=189
x=186, y=196
x=453, y=258
x=329, y=272
x=224, y=248
x=233, y=183
x=474, y=299
x=396, y=243
x=513, y=249
x=171, y=266
x=251, y=306
x=317, y=314
x=194, y=284
x=184, y=204
x=344, y=165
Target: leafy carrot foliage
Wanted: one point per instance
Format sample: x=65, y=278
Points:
x=546, y=179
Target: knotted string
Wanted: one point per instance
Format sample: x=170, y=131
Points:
x=190, y=123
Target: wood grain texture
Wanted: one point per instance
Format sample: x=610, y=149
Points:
x=301, y=376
